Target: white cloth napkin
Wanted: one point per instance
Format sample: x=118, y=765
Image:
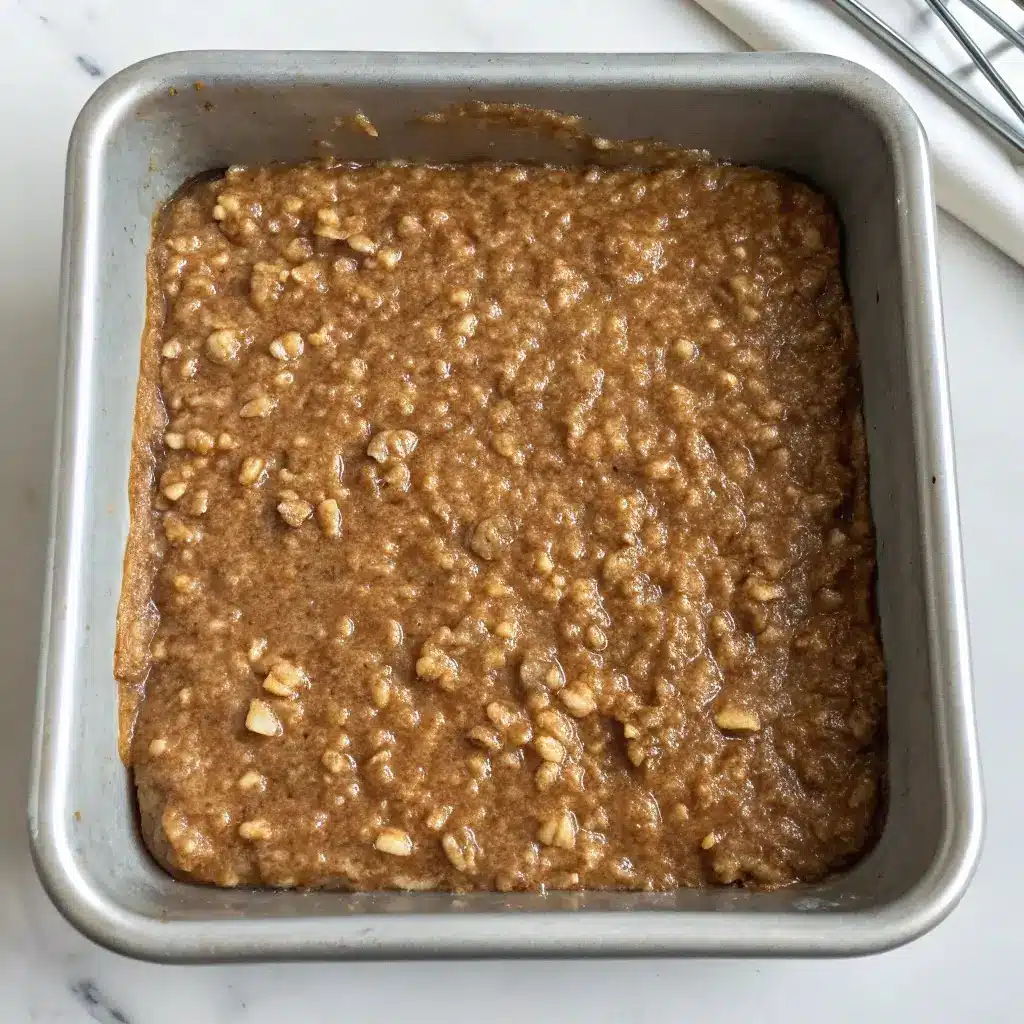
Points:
x=975, y=179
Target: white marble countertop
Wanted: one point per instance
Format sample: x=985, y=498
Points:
x=52, y=54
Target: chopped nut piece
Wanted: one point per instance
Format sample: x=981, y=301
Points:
x=578, y=700
x=539, y=668
x=328, y=515
x=158, y=747
x=178, y=532
x=680, y=814
x=393, y=841
x=408, y=884
x=362, y=244
x=461, y=850
x=398, y=477
x=549, y=749
x=661, y=469
x=732, y=719
x=325, y=230
x=520, y=733
x=199, y=502
x=172, y=492
x=438, y=817
x=392, y=446
x=334, y=761
x=409, y=226
x=298, y=250
x=306, y=275
x=288, y=346
x=636, y=753
x=261, y=719
x=559, y=831
x=492, y=537
x=506, y=444
x=484, y=737
x=547, y=775
x=364, y=124
x=631, y=732
x=258, y=829
x=252, y=471
x=437, y=667
x=556, y=724
x=466, y=324
x=708, y=841
x=285, y=679
x=185, y=584
x=494, y=659
x=295, y=511
x=320, y=337
x=537, y=700
x=174, y=440
x=596, y=639
x=500, y=715
x=380, y=691
x=252, y=780
x=258, y=408
x=761, y=591
x=223, y=347
x=199, y=441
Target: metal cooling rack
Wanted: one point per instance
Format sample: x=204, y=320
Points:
x=955, y=16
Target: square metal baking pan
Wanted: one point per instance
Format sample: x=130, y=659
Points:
x=157, y=123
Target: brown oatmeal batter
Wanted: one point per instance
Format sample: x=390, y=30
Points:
x=505, y=527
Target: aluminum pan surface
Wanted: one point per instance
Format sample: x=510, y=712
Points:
x=818, y=116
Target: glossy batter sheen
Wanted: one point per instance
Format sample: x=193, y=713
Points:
x=505, y=527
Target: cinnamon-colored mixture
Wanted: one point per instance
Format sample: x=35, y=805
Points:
x=506, y=527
